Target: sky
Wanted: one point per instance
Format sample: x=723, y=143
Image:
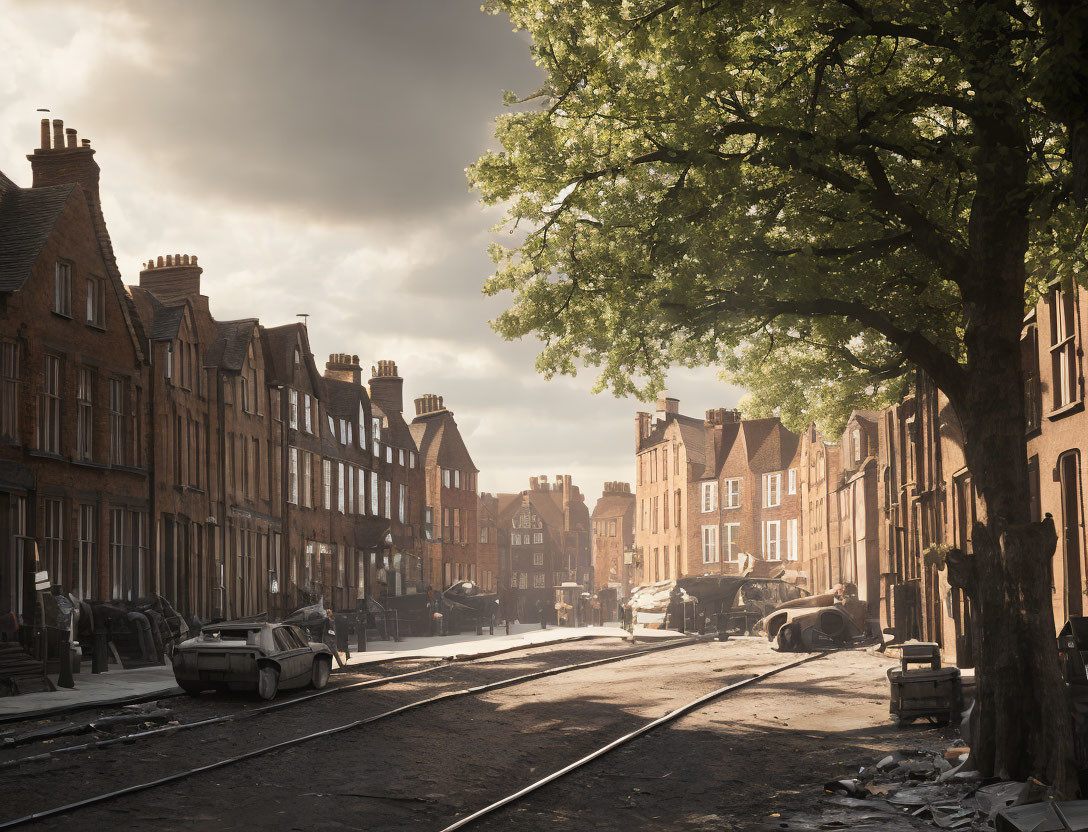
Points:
x=313, y=155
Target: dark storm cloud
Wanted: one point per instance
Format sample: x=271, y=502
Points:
x=340, y=111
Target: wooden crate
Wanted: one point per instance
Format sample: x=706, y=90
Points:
x=928, y=693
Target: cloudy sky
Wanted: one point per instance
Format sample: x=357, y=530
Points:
x=312, y=154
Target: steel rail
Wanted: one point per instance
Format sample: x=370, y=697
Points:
x=626, y=738
x=258, y=752
x=368, y=683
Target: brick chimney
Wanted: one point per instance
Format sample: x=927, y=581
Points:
x=667, y=406
x=427, y=404
x=171, y=277
x=617, y=488
x=722, y=416
x=344, y=367
x=386, y=387
x=642, y=428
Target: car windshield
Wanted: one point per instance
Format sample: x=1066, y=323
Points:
x=231, y=633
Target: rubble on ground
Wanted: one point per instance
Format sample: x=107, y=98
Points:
x=933, y=788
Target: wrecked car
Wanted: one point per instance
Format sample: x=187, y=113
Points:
x=831, y=619
x=742, y=600
x=250, y=656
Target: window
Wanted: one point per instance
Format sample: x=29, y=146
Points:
x=402, y=502
x=611, y=528
x=538, y=537
x=411, y=459
x=307, y=413
x=855, y=440
x=791, y=553
x=445, y=477
x=53, y=538
x=538, y=558
x=772, y=490
x=326, y=482
x=730, y=540
x=538, y=581
x=388, y=488
x=771, y=534
x=362, y=428
x=664, y=463
x=49, y=407
x=710, y=544
x=483, y=534
x=400, y=457
x=307, y=479
x=85, y=415
x=349, y=489
x=523, y=580
x=340, y=488
x=792, y=481
x=456, y=479
x=376, y=434
x=243, y=386
x=360, y=502
x=374, y=493
x=9, y=390
x=62, y=289
x=1063, y=350
x=710, y=496
x=676, y=508
x=85, y=583
x=117, y=421
x=292, y=475
x=292, y=408
x=96, y=301
x=731, y=497
x=297, y=357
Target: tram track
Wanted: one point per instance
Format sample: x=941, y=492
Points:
x=297, y=740
x=299, y=699
x=671, y=716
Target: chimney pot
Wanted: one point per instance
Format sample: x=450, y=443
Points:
x=72, y=140
x=194, y=259
x=45, y=134
x=58, y=134
x=160, y=261
x=85, y=142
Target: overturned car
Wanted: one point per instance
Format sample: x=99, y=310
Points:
x=831, y=619
x=735, y=603
x=250, y=656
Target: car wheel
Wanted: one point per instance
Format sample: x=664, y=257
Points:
x=788, y=640
x=320, y=677
x=268, y=682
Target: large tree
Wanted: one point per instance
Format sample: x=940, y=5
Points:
x=828, y=190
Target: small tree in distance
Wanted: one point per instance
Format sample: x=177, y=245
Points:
x=817, y=195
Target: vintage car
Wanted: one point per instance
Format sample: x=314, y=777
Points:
x=250, y=656
x=737, y=602
x=818, y=621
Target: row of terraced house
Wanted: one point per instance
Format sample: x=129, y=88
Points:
x=148, y=447
x=872, y=506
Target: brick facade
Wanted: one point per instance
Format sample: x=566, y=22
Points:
x=613, y=539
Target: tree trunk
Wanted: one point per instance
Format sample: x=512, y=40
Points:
x=1024, y=715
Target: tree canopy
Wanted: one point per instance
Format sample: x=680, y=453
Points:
x=793, y=191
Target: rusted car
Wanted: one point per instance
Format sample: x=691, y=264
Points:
x=250, y=656
x=816, y=622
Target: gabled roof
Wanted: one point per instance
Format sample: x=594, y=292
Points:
x=231, y=345
x=614, y=505
x=342, y=398
x=27, y=218
x=281, y=341
x=439, y=441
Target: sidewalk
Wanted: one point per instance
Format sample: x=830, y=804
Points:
x=466, y=646
x=118, y=687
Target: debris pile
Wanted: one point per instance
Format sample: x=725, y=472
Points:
x=927, y=789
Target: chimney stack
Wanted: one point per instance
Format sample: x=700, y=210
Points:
x=642, y=428
x=58, y=134
x=45, y=135
x=60, y=163
x=386, y=387
x=722, y=416
x=344, y=367
x=429, y=403
x=175, y=277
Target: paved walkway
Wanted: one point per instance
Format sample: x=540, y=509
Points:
x=120, y=686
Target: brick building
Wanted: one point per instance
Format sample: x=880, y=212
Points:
x=819, y=472
x=613, y=539
x=856, y=559
x=400, y=567
x=74, y=453
x=493, y=549
x=549, y=532
x=711, y=490
x=451, y=497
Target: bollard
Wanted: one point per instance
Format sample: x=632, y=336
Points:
x=100, y=657
x=508, y=626
x=65, y=659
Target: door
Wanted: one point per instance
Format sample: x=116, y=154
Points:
x=1071, y=533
